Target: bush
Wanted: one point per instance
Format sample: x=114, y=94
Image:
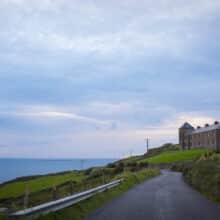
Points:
x=204, y=176
x=108, y=171
x=111, y=165
x=143, y=164
x=120, y=164
x=95, y=173
x=118, y=170
x=132, y=164
x=88, y=171
x=134, y=169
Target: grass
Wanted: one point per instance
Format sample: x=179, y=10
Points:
x=204, y=175
x=3, y=217
x=169, y=147
x=132, y=169
x=16, y=189
x=176, y=156
x=130, y=159
x=82, y=209
x=52, y=187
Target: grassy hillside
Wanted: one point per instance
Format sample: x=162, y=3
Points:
x=166, y=154
x=15, y=189
x=176, y=156
x=42, y=187
x=83, y=208
x=51, y=187
x=169, y=147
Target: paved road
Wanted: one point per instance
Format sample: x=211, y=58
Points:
x=166, y=197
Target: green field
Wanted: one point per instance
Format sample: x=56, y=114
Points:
x=176, y=156
x=18, y=188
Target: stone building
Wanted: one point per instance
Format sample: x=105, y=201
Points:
x=201, y=137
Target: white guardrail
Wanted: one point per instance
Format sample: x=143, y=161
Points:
x=56, y=205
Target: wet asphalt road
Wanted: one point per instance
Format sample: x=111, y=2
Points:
x=166, y=197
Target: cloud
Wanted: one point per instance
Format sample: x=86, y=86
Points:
x=96, y=77
x=112, y=143
x=56, y=115
x=92, y=28
x=108, y=108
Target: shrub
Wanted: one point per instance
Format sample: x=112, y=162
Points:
x=143, y=164
x=132, y=164
x=134, y=169
x=111, y=165
x=204, y=176
x=120, y=164
x=95, y=173
x=88, y=171
x=118, y=170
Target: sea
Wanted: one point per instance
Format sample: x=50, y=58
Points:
x=13, y=168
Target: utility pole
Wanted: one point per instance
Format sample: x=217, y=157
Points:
x=147, y=143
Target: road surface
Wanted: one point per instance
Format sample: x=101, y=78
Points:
x=166, y=197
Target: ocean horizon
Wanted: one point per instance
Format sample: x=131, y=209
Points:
x=11, y=168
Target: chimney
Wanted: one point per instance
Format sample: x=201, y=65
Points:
x=216, y=123
x=206, y=125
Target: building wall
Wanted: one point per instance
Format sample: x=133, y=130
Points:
x=205, y=138
x=184, y=138
x=209, y=139
x=218, y=139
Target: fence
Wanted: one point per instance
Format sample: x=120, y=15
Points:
x=46, y=208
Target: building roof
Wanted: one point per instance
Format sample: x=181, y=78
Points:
x=208, y=128
x=186, y=125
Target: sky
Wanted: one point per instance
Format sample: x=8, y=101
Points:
x=94, y=78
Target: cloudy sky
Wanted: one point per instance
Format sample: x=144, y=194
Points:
x=93, y=78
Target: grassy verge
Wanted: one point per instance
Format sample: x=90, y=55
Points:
x=83, y=208
x=177, y=156
x=203, y=175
